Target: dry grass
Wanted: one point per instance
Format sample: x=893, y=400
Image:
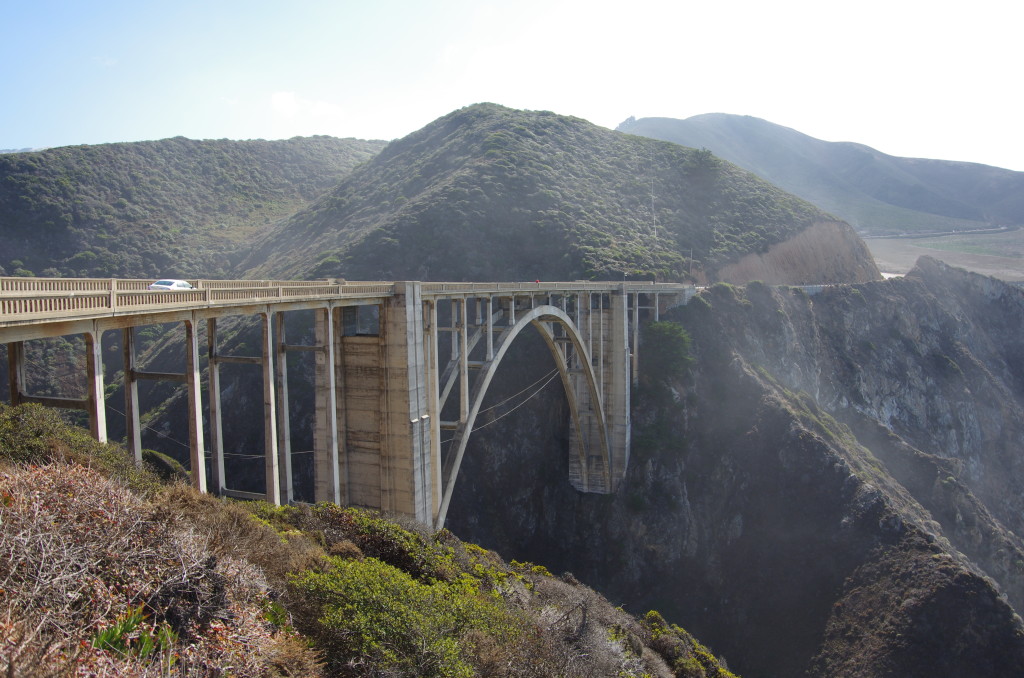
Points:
x=79, y=553
x=230, y=529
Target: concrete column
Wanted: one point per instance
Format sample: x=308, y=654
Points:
x=216, y=422
x=197, y=446
x=406, y=476
x=463, y=363
x=94, y=395
x=326, y=480
x=270, y=456
x=433, y=404
x=635, y=343
x=600, y=346
x=284, y=427
x=341, y=410
x=591, y=346
x=617, y=400
x=453, y=305
x=16, y=370
x=490, y=328
x=132, y=424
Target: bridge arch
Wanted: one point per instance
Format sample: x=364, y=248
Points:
x=559, y=333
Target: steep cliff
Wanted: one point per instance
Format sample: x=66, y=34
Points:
x=828, y=490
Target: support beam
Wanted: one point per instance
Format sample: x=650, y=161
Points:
x=341, y=411
x=635, y=344
x=94, y=386
x=490, y=328
x=16, y=370
x=216, y=420
x=463, y=362
x=132, y=422
x=617, y=401
x=326, y=481
x=432, y=368
x=284, y=427
x=271, y=469
x=197, y=445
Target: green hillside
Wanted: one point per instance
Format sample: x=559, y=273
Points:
x=488, y=192
x=174, y=207
x=875, y=192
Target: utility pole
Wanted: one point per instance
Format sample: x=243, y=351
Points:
x=654, y=215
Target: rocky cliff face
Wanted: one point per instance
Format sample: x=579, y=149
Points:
x=827, y=491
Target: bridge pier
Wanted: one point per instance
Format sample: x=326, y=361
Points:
x=132, y=424
x=406, y=474
x=326, y=469
x=197, y=445
x=216, y=423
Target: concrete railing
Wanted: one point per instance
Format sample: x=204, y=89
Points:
x=470, y=288
x=33, y=299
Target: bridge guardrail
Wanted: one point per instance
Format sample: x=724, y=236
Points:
x=33, y=299
x=440, y=288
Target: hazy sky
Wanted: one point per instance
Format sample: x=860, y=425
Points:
x=932, y=78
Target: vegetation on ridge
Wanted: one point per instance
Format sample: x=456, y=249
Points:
x=488, y=193
x=175, y=207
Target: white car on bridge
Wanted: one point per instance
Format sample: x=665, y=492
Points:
x=171, y=285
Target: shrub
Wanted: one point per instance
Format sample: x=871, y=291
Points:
x=369, y=612
x=408, y=547
x=666, y=348
x=687, y=657
x=33, y=434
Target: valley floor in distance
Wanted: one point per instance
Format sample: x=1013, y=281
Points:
x=1000, y=255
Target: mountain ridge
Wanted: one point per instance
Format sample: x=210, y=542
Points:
x=875, y=192
x=175, y=207
x=532, y=195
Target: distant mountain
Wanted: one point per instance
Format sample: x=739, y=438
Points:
x=488, y=192
x=875, y=192
x=174, y=207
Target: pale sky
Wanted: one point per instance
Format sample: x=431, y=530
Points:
x=932, y=79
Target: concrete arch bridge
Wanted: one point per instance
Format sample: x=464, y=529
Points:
x=396, y=365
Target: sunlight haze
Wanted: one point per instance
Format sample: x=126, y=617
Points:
x=909, y=78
